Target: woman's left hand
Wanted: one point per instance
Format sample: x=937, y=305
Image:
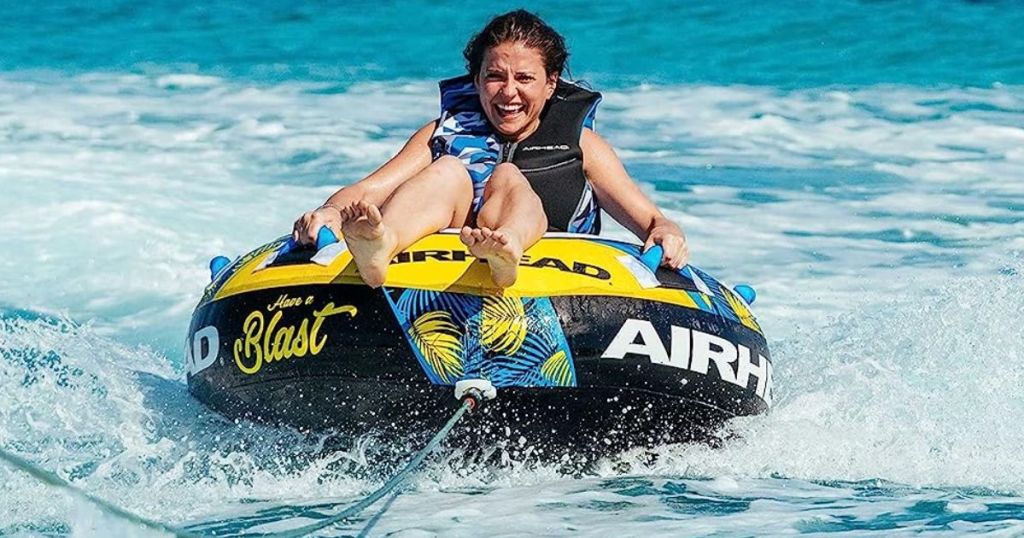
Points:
x=672, y=241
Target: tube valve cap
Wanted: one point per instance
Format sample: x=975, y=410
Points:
x=483, y=386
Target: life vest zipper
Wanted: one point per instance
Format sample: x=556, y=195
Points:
x=508, y=151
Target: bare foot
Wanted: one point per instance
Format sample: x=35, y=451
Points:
x=501, y=251
x=369, y=240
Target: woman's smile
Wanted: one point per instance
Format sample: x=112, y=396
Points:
x=507, y=112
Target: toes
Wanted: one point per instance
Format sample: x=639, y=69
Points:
x=360, y=210
x=356, y=210
x=466, y=235
x=372, y=214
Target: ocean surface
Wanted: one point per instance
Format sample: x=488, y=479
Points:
x=860, y=163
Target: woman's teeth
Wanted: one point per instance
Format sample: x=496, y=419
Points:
x=508, y=110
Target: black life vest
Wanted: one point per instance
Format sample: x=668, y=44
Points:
x=550, y=158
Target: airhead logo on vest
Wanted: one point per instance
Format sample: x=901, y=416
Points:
x=559, y=147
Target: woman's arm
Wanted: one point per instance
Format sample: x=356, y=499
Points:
x=374, y=188
x=620, y=196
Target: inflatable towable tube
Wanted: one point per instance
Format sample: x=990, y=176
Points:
x=590, y=343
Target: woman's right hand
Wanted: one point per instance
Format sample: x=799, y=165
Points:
x=308, y=225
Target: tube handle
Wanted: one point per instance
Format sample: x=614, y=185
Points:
x=652, y=258
x=324, y=237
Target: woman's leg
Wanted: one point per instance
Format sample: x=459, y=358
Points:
x=511, y=220
x=440, y=196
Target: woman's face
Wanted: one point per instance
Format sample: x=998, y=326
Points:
x=513, y=87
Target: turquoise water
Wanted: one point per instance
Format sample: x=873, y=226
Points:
x=859, y=162
x=787, y=45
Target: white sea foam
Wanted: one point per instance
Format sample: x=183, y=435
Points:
x=187, y=81
x=117, y=420
x=919, y=389
x=895, y=128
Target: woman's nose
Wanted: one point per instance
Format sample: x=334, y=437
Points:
x=509, y=89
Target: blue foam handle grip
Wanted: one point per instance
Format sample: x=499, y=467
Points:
x=652, y=258
x=216, y=264
x=288, y=246
x=325, y=237
x=746, y=291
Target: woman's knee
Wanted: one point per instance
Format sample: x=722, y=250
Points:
x=447, y=162
x=506, y=177
x=448, y=169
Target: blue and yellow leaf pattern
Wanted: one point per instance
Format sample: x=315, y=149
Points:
x=415, y=303
x=509, y=340
x=512, y=371
x=558, y=371
x=439, y=342
x=503, y=325
x=543, y=340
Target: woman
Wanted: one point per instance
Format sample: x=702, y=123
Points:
x=466, y=169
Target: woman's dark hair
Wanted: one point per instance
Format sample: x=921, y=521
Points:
x=519, y=26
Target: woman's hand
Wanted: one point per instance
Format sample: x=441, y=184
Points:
x=672, y=241
x=308, y=225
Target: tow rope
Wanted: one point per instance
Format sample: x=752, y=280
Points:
x=471, y=393
x=52, y=480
